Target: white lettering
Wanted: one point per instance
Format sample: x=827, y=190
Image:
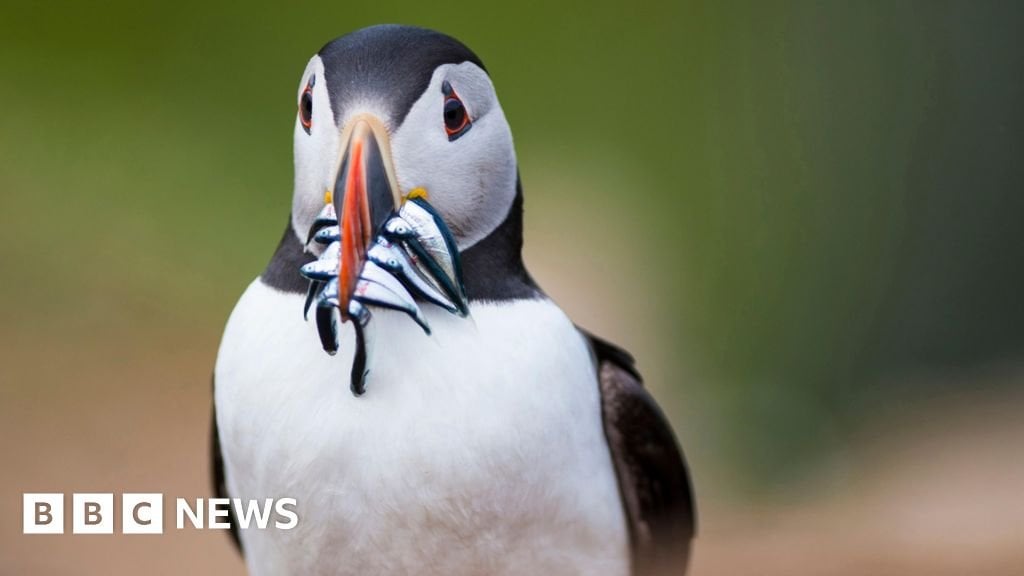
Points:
x=194, y=516
x=245, y=514
x=293, y=517
x=218, y=508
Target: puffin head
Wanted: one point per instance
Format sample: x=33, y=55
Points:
x=389, y=112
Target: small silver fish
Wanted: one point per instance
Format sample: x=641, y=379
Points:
x=414, y=256
x=374, y=293
x=327, y=234
x=321, y=270
x=397, y=262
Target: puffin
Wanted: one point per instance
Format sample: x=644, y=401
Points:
x=437, y=413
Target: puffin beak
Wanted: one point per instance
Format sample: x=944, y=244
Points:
x=365, y=195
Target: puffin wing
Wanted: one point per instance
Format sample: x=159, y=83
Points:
x=653, y=478
x=220, y=488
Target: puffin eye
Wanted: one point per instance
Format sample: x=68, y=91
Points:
x=306, y=107
x=456, y=119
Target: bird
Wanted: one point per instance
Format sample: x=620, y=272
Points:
x=495, y=439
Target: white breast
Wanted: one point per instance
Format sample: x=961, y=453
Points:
x=476, y=450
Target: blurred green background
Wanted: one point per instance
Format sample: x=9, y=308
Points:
x=805, y=218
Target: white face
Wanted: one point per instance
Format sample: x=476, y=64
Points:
x=470, y=179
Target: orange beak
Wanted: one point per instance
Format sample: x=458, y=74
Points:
x=369, y=196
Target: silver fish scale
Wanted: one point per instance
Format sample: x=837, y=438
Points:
x=401, y=263
x=427, y=232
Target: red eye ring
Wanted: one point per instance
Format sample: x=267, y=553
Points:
x=456, y=118
x=306, y=108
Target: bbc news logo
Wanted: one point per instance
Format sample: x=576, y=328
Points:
x=94, y=513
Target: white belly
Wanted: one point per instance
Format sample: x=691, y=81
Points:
x=476, y=450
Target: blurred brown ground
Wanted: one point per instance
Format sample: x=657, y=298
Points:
x=935, y=491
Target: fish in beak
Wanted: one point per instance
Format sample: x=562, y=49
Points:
x=386, y=250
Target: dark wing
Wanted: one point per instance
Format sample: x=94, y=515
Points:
x=653, y=479
x=220, y=489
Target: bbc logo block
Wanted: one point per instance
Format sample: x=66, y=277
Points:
x=43, y=513
x=93, y=513
x=142, y=513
